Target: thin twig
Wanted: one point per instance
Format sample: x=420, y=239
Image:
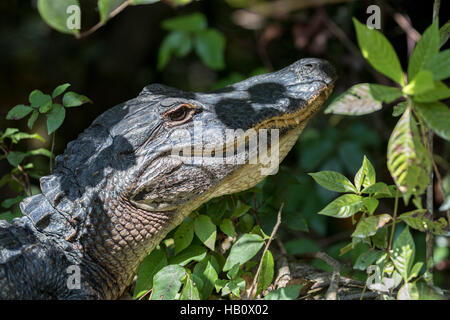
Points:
x=102, y=23
x=252, y=291
x=429, y=239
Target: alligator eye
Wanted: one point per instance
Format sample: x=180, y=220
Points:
x=180, y=114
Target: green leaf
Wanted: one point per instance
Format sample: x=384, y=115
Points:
x=265, y=276
x=18, y=112
x=379, y=240
x=439, y=92
x=178, y=43
x=408, y=160
x=343, y=207
x=415, y=270
x=234, y=271
x=368, y=258
x=183, y=235
x=356, y=101
x=422, y=82
x=380, y=188
x=245, y=248
x=403, y=253
x=15, y=138
x=205, y=230
x=399, y=109
x=40, y=100
x=188, y=23
x=105, y=7
x=438, y=65
x=371, y=204
x=54, y=13
x=444, y=33
x=40, y=152
x=227, y=227
x=32, y=119
x=366, y=175
x=192, y=253
x=210, y=47
x=240, y=210
x=60, y=89
x=384, y=93
x=437, y=116
x=424, y=50
x=286, y=293
x=379, y=52
x=15, y=158
x=368, y=226
x=8, y=203
x=190, y=291
x=333, y=181
x=72, y=99
x=209, y=277
x=408, y=291
x=167, y=282
x=55, y=118
x=416, y=219
x=154, y=262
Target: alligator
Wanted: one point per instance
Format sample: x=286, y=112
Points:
x=122, y=185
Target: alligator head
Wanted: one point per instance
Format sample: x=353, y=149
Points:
x=144, y=165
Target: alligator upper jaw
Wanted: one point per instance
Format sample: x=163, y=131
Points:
x=300, y=117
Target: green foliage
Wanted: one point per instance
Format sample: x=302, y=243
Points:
x=408, y=160
x=287, y=293
x=191, y=32
x=41, y=103
x=54, y=13
x=372, y=228
x=18, y=179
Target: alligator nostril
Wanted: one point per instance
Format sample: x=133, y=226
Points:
x=309, y=65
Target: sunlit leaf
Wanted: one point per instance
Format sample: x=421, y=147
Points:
x=333, y=181
x=408, y=159
x=379, y=52
x=167, y=282
x=368, y=226
x=245, y=248
x=154, y=262
x=343, y=207
x=425, y=49
x=437, y=117
x=205, y=230
x=403, y=253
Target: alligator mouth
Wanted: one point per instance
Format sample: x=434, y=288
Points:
x=290, y=120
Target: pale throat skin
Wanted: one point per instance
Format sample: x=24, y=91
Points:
x=117, y=190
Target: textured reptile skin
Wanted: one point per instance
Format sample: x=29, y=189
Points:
x=116, y=191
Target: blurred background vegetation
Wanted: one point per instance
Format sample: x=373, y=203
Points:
x=114, y=63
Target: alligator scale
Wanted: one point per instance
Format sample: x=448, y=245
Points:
x=118, y=189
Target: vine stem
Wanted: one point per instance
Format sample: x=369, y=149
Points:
x=253, y=288
x=102, y=23
x=429, y=239
x=394, y=220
